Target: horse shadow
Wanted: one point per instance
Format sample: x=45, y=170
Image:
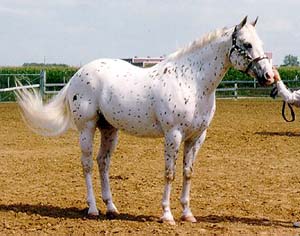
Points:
x=214, y=219
x=76, y=213
x=68, y=212
x=287, y=134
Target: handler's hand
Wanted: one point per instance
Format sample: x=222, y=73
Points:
x=276, y=74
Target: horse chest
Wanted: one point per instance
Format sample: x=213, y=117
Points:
x=203, y=120
x=189, y=117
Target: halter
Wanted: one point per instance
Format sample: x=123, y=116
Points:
x=244, y=53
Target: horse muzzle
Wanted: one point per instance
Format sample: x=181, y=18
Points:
x=264, y=76
x=265, y=80
x=269, y=78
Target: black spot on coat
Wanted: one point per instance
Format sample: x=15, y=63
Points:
x=75, y=97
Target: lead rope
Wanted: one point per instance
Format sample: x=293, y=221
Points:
x=292, y=112
x=273, y=94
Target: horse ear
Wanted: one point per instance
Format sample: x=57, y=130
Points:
x=254, y=22
x=241, y=25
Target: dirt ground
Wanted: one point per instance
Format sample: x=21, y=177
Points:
x=246, y=179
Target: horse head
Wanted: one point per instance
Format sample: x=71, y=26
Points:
x=247, y=55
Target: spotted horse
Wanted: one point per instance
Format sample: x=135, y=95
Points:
x=174, y=99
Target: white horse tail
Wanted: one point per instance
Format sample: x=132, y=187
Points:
x=50, y=119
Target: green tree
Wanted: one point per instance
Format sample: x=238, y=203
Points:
x=290, y=60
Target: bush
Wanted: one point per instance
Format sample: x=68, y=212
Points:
x=234, y=74
x=54, y=74
x=58, y=74
x=31, y=75
x=289, y=72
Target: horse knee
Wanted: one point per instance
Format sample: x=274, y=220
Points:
x=169, y=175
x=188, y=172
x=87, y=162
x=103, y=161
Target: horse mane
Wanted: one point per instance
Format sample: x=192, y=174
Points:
x=198, y=43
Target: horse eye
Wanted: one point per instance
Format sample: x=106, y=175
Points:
x=247, y=45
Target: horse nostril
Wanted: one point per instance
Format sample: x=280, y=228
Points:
x=267, y=76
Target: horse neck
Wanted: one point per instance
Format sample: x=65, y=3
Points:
x=208, y=64
x=215, y=64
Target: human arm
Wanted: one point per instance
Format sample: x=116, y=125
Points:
x=288, y=96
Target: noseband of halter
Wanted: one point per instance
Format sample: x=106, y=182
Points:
x=244, y=53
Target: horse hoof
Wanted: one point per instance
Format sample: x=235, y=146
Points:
x=93, y=215
x=191, y=219
x=296, y=224
x=170, y=222
x=112, y=214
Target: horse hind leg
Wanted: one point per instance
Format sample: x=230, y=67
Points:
x=86, y=145
x=109, y=138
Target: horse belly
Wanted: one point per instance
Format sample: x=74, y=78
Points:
x=135, y=120
x=129, y=108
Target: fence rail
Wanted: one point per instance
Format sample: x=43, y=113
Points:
x=19, y=87
x=233, y=89
x=8, y=84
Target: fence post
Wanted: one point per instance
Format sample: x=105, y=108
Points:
x=236, y=90
x=42, y=83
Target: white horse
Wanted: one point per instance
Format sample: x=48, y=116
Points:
x=174, y=99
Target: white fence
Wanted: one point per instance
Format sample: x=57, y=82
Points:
x=234, y=89
x=8, y=84
x=248, y=88
x=28, y=81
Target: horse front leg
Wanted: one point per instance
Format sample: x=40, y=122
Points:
x=172, y=144
x=191, y=148
x=109, y=138
x=86, y=145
